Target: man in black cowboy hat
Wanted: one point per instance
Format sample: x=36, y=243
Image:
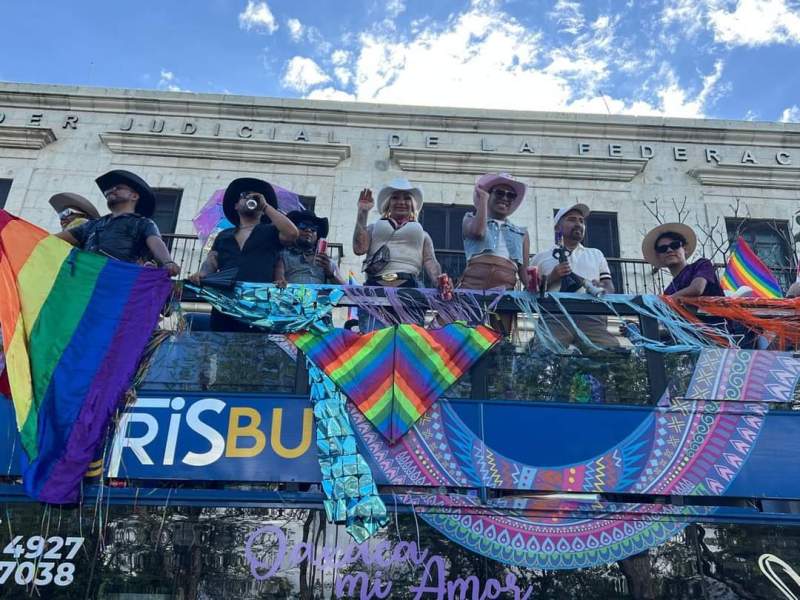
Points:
x=127, y=233
x=302, y=262
x=252, y=246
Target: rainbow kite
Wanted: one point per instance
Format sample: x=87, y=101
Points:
x=74, y=327
x=393, y=375
x=745, y=268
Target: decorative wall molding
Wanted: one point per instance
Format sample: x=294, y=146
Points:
x=400, y=118
x=521, y=165
x=751, y=176
x=26, y=138
x=240, y=150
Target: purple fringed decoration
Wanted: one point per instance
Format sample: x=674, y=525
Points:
x=399, y=306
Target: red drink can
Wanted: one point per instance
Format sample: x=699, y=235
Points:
x=322, y=246
x=445, y=287
x=533, y=279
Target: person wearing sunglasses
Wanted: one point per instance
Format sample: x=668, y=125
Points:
x=496, y=249
x=304, y=261
x=668, y=246
x=73, y=210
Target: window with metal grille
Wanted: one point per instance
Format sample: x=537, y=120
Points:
x=168, y=203
x=771, y=240
x=5, y=188
x=443, y=224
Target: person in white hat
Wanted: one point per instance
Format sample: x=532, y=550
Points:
x=73, y=209
x=496, y=250
x=588, y=264
x=397, y=248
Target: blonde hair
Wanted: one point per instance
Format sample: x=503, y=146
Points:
x=385, y=214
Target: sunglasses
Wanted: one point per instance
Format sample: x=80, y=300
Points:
x=673, y=245
x=500, y=194
x=67, y=213
x=307, y=226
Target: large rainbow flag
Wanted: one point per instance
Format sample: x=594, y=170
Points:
x=74, y=327
x=395, y=374
x=745, y=268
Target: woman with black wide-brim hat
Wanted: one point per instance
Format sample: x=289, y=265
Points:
x=252, y=245
x=127, y=233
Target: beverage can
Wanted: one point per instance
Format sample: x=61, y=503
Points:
x=322, y=246
x=533, y=279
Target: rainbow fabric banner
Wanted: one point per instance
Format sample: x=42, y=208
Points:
x=745, y=268
x=393, y=375
x=74, y=327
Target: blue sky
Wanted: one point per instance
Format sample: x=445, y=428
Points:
x=731, y=59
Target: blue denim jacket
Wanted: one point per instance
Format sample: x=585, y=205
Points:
x=514, y=237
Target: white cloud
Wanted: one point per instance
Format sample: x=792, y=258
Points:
x=340, y=57
x=755, y=22
x=167, y=81
x=567, y=13
x=791, y=115
x=258, y=16
x=343, y=75
x=688, y=14
x=329, y=93
x=395, y=8
x=295, y=29
x=303, y=73
x=485, y=58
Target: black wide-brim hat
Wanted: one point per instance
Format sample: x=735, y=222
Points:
x=306, y=216
x=246, y=184
x=146, y=205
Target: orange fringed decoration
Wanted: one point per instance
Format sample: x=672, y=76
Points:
x=776, y=319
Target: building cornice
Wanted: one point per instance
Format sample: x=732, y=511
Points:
x=26, y=138
x=749, y=176
x=240, y=150
x=405, y=118
x=522, y=165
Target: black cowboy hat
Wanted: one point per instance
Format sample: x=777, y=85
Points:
x=146, y=204
x=246, y=184
x=306, y=216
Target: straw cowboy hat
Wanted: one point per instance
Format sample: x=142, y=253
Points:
x=490, y=180
x=399, y=185
x=246, y=184
x=146, y=205
x=649, y=242
x=65, y=200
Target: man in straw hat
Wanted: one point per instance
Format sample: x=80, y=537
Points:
x=496, y=250
x=396, y=245
x=668, y=246
x=252, y=246
x=73, y=209
x=127, y=233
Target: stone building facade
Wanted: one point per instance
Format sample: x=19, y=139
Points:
x=57, y=138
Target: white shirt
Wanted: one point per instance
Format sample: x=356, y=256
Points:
x=502, y=247
x=589, y=263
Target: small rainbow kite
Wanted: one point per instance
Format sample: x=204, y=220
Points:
x=74, y=326
x=745, y=268
x=394, y=375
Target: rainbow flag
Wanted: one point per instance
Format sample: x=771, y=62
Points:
x=74, y=327
x=395, y=374
x=745, y=268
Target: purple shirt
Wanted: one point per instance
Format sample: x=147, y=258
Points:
x=700, y=268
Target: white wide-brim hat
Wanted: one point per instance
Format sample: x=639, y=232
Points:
x=399, y=185
x=581, y=208
x=649, y=242
x=490, y=180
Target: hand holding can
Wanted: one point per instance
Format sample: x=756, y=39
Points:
x=533, y=279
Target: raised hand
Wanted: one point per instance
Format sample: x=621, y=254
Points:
x=365, y=201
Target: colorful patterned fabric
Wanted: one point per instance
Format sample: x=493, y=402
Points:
x=74, y=326
x=393, y=375
x=745, y=268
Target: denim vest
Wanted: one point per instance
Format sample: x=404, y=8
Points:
x=513, y=236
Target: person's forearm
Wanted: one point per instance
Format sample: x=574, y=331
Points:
x=159, y=250
x=360, y=234
x=286, y=229
x=67, y=237
x=209, y=265
x=476, y=226
x=607, y=285
x=433, y=269
x=696, y=288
